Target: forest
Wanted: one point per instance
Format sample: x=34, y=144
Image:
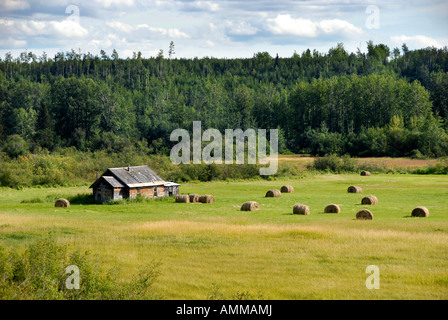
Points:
x=385, y=102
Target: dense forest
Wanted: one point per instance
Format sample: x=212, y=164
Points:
x=386, y=102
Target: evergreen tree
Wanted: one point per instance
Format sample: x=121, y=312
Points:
x=44, y=136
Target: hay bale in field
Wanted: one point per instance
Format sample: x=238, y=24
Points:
x=250, y=206
x=274, y=193
x=183, y=198
x=364, y=214
x=420, y=212
x=332, y=208
x=354, y=189
x=194, y=198
x=62, y=203
x=206, y=199
x=287, y=189
x=301, y=209
x=370, y=200
x=365, y=173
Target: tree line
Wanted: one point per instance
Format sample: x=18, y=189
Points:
x=380, y=103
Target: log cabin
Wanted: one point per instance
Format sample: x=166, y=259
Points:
x=131, y=182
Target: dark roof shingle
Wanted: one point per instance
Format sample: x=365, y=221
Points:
x=114, y=183
x=136, y=176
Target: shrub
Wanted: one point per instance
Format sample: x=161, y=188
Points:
x=441, y=167
x=286, y=169
x=12, y=176
x=348, y=164
x=15, y=146
x=326, y=163
x=40, y=273
x=332, y=163
x=82, y=198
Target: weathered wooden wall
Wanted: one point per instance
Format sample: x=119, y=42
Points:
x=105, y=193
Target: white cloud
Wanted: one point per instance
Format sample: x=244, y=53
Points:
x=6, y=23
x=120, y=26
x=68, y=29
x=207, y=6
x=212, y=26
x=240, y=28
x=146, y=31
x=285, y=24
x=19, y=29
x=338, y=26
x=418, y=41
x=100, y=44
x=110, y=3
x=203, y=5
x=14, y=43
x=11, y=5
x=175, y=33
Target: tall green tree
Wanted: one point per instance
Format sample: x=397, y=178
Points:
x=44, y=136
x=76, y=108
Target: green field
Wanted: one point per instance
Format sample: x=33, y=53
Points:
x=215, y=249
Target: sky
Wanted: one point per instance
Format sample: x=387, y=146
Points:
x=215, y=28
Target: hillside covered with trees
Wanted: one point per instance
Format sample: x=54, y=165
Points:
x=386, y=102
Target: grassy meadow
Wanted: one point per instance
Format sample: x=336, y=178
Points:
x=217, y=251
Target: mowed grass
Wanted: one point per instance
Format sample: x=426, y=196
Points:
x=268, y=254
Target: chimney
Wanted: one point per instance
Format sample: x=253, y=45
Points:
x=97, y=175
x=129, y=168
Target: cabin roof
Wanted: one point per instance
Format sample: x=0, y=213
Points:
x=136, y=176
x=114, y=183
x=133, y=177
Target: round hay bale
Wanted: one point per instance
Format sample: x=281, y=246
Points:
x=194, y=198
x=301, y=209
x=250, y=206
x=354, y=189
x=274, y=193
x=183, y=198
x=287, y=189
x=332, y=208
x=364, y=214
x=370, y=200
x=62, y=203
x=420, y=212
x=365, y=173
x=206, y=199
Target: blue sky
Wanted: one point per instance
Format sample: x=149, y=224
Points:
x=224, y=29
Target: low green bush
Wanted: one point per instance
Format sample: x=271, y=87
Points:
x=40, y=273
x=333, y=163
x=441, y=167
